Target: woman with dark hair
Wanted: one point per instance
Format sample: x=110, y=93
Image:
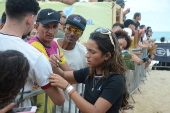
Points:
x=105, y=90
x=125, y=42
x=14, y=69
x=123, y=39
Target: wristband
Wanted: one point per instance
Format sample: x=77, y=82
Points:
x=71, y=92
x=68, y=89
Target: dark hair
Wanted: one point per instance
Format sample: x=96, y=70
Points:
x=137, y=14
x=123, y=35
x=24, y=36
x=3, y=17
x=148, y=27
x=60, y=12
x=118, y=24
x=14, y=69
x=18, y=9
x=29, y=33
x=128, y=22
x=137, y=24
x=115, y=64
x=142, y=26
x=162, y=39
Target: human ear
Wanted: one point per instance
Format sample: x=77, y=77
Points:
x=30, y=19
x=1, y=26
x=36, y=26
x=108, y=55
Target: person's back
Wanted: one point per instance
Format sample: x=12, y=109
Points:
x=21, y=16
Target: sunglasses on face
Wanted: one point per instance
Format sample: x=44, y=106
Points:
x=106, y=31
x=64, y=16
x=76, y=31
x=150, y=31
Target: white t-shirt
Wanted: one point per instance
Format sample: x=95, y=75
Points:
x=40, y=68
x=129, y=31
x=76, y=60
x=145, y=38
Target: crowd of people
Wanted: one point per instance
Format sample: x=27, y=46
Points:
x=48, y=54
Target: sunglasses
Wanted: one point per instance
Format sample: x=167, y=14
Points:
x=107, y=32
x=150, y=31
x=64, y=16
x=76, y=31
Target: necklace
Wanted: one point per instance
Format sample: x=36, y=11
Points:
x=95, y=82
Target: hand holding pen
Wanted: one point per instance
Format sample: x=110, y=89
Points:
x=55, y=59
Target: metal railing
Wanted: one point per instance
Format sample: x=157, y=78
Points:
x=157, y=65
x=135, y=77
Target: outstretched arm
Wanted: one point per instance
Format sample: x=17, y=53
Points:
x=56, y=94
x=100, y=106
x=68, y=75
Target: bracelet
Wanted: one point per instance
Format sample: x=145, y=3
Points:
x=66, y=86
x=72, y=91
x=68, y=89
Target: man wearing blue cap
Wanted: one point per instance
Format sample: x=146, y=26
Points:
x=73, y=51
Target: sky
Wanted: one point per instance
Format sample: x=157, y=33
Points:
x=155, y=13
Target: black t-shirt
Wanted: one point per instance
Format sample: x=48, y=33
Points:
x=111, y=88
x=100, y=0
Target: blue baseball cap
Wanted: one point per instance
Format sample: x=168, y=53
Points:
x=77, y=20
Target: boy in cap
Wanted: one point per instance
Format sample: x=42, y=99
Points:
x=47, y=26
x=20, y=21
x=73, y=51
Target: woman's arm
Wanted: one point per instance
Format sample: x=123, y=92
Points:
x=7, y=108
x=101, y=105
x=68, y=75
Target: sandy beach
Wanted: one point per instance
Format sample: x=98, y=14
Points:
x=155, y=97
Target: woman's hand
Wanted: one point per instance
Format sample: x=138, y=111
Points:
x=55, y=59
x=57, y=81
x=7, y=108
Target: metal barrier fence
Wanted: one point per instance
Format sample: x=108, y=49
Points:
x=157, y=65
x=135, y=77
x=133, y=80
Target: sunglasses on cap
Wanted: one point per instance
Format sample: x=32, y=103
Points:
x=76, y=31
x=107, y=32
